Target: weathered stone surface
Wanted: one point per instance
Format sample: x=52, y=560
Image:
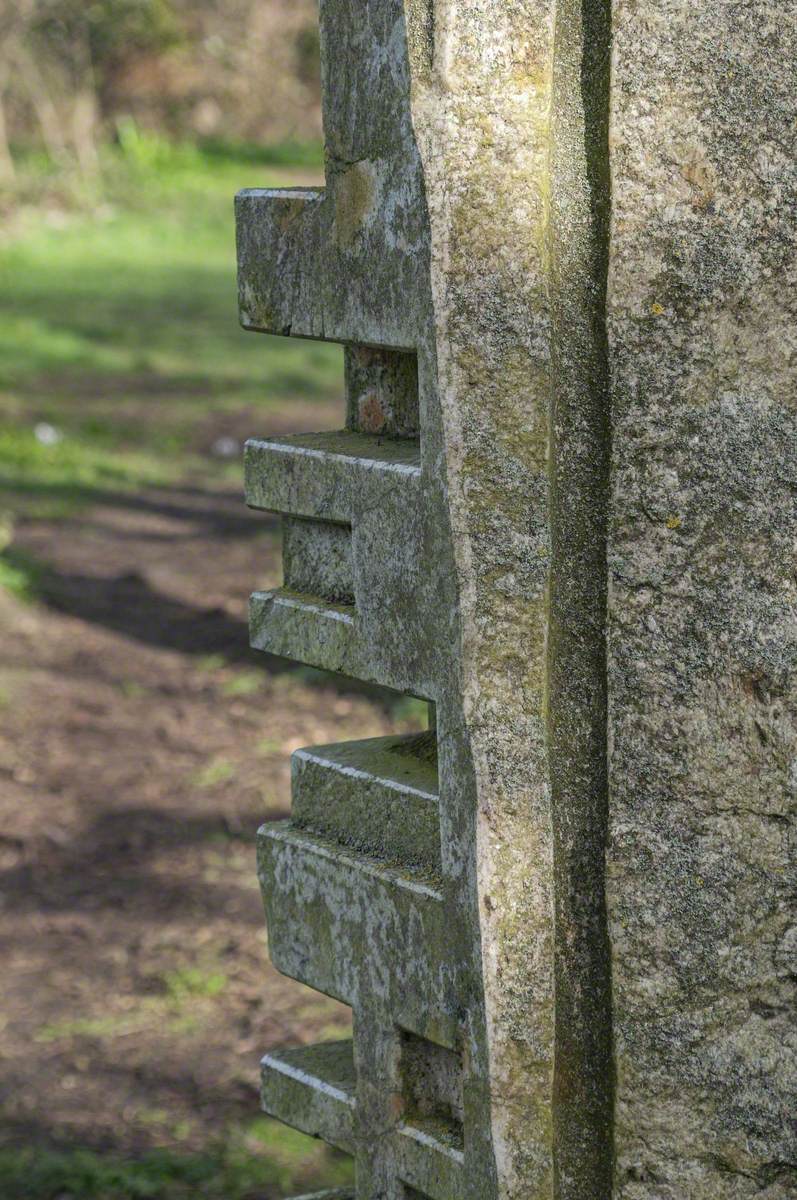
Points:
x=317, y=559
x=570, y=409
x=517, y=292
x=354, y=263
x=333, y=1194
x=372, y=795
x=703, y=665
x=312, y=1089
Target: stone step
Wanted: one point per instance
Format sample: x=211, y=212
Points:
x=340, y=920
x=330, y=1194
x=378, y=795
x=328, y=476
x=430, y=1156
x=311, y=1088
x=311, y=630
x=350, y=551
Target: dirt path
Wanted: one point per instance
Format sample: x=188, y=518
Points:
x=141, y=745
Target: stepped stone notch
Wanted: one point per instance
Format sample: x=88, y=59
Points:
x=562, y=510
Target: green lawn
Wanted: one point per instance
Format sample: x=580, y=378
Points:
x=118, y=325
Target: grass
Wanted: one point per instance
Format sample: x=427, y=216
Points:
x=260, y=1160
x=118, y=324
x=243, y=683
x=183, y=999
x=257, y=1160
x=188, y=982
x=19, y=574
x=217, y=771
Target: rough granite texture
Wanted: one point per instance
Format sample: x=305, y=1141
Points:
x=557, y=242
x=702, y=321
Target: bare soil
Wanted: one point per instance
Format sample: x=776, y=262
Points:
x=141, y=745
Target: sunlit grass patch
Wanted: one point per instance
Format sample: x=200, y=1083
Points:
x=243, y=683
x=118, y=322
x=218, y=770
x=185, y=997
x=19, y=575
x=269, y=747
x=51, y=479
x=131, y=689
x=186, y=983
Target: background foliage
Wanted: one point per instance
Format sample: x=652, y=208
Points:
x=236, y=70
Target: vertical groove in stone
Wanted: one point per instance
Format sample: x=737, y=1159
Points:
x=577, y=696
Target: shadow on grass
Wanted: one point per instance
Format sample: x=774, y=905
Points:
x=261, y=1161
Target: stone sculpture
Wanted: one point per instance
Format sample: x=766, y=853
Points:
x=555, y=241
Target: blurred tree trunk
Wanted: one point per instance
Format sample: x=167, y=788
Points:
x=84, y=130
x=41, y=101
x=7, y=170
x=85, y=105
